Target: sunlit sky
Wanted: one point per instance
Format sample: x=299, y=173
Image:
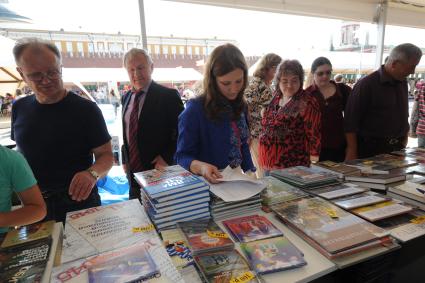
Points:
x=256, y=32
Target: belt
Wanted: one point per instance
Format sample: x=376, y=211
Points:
x=389, y=141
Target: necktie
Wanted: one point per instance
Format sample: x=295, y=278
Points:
x=133, y=149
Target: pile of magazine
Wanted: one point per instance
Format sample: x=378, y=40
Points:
x=264, y=245
x=24, y=253
x=113, y=243
x=221, y=209
x=330, y=229
x=172, y=195
x=305, y=177
x=277, y=192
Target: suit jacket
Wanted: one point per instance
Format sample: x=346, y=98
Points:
x=157, y=126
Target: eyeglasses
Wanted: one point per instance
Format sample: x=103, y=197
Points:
x=321, y=73
x=39, y=76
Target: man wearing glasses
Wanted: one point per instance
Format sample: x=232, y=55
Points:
x=58, y=132
x=376, y=115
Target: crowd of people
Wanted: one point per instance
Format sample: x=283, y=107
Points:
x=260, y=124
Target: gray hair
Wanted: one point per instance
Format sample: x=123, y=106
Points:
x=133, y=52
x=404, y=53
x=35, y=43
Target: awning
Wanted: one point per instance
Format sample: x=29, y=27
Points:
x=85, y=75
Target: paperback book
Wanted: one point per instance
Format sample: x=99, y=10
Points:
x=405, y=227
x=205, y=236
x=305, y=177
x=339, y=169
x=250, y=228
x=337, y=191
x=381, y=210
x=177, y=247
x=130, y=264
x=272, y=255
x=222, y=266
x=364, y=199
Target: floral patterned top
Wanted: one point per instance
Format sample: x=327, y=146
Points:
x=290, y=133
x=258, y=95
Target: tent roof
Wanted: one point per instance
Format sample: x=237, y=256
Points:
x=120, y=74
x=410, y=13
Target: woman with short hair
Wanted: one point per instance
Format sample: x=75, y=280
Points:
x=291, y=122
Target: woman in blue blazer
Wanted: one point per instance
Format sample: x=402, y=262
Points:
x=213, y=129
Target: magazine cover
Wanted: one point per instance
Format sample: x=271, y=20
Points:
x=25, y=254
x=131, y=264
x=177, y=248
x=146, y=178
x=222, y=266
x=200, y=236
x=31, y=273
x=250, y=228
x=28, y=233
x=273, y=255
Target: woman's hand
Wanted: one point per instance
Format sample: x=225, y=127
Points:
x=206, y=170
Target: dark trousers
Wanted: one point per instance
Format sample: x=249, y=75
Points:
x=368, y=147
x=134, y=190
x=332, y=154
x=59, y=203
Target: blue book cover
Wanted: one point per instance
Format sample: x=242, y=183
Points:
x=163, y=187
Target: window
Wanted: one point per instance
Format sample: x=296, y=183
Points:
x=58, y=45
x=69, y=47
x=165, y=50
x=130, y=46
x=181, y=50
x=80, y=48
x=173, y=50
x=157, y=49
x=204, y=50
x=91, y=47
x=101, y=47
x=197, y=50
x=189, y=50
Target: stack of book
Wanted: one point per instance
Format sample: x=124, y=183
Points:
x=277, y=192
x=381, y=164
x=264, y=245
x=330, y=229
x=340, y=169
x=405, y=227
x=410, y=192
x=26, y=253
x=172, y=195
x=305, y=177
x=415, y=153
x=379, y=182
x=221, y=209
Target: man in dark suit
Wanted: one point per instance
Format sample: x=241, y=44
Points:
x=149, y=114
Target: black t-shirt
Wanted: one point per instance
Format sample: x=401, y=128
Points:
x=57, y=139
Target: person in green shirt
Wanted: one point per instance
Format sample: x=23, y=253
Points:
x=16, y=176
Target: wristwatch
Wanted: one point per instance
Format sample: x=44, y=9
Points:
x=93, y=173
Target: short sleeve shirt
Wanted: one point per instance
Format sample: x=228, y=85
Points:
x=15, y=176
x=58, y=139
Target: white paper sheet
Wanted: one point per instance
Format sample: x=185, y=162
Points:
x=236, y=190
x=235, y=174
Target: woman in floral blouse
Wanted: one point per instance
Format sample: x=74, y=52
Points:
x=258, y=95
x=291, y=123
x=213, y=130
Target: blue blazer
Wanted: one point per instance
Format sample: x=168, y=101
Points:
x=205, y=140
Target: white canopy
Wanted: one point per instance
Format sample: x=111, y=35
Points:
x=409, y=13
x=9, y=77
x=71, y=75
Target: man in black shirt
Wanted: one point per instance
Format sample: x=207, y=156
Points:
x=376, y=115
x=58, y=132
